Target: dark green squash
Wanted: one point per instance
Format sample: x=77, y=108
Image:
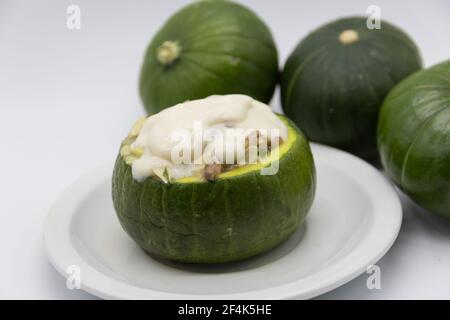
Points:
x=209, y=47
x=239, y=215
x=334, y=82
x=414, y=137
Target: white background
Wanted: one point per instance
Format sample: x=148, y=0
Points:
x=68, y=97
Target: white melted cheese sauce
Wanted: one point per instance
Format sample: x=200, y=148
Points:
x=223, y=113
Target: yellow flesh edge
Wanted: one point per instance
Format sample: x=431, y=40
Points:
x=283, y=149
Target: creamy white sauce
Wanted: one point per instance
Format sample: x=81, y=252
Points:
x=224, y=114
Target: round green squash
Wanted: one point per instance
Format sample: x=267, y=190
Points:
x=414, y=137
x=334, y=82
x=240, y=214
x=209, y=47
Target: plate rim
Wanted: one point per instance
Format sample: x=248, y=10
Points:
x=62, y=253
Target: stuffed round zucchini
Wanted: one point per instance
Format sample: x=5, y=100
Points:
x=210, y=211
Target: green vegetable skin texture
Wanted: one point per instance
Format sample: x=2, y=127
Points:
x=221, y=221
x=225, y=48
x=414, y=137
x=334, y=91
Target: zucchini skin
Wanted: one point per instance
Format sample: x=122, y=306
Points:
x=214, y=222
x=334, y=91
x=414, y=137
x=225, y=49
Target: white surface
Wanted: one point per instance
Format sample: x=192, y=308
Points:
x=354, y=220
x=68, y=97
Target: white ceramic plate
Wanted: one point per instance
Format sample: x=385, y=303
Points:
x=354, y=221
